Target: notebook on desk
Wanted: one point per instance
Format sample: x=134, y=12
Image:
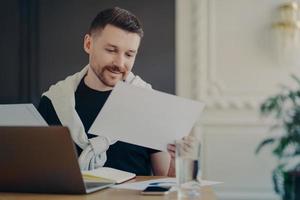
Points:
x=115, y=175
x=42, y=160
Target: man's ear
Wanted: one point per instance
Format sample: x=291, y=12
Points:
x=87, y=43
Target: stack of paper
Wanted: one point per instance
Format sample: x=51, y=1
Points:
x=159, y=182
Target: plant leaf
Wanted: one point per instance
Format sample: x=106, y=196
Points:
x=263, y=143
x=295, y=78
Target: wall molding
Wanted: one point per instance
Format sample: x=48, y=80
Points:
x=230, y=126
x=199, y=76
x=206, y=86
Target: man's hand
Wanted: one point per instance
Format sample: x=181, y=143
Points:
x=188, y=141
x=163, y=163
x=172, y=151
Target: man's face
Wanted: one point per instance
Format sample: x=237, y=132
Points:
x=112, y=53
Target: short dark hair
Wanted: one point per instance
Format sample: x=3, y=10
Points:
x=118, y=17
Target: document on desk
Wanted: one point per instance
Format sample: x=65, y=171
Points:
x=159, y=182
x=20, y=115
x=145, y=117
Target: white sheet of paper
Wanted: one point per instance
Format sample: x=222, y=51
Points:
x=158, y=182
x=145, y=117
x=20, y=115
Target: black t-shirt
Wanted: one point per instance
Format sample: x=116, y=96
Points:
x=121, y=155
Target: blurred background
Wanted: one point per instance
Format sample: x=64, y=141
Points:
x=230, y=54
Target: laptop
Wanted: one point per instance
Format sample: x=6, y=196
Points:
x=41, y=160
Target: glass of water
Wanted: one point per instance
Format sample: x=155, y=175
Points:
x=188, y=171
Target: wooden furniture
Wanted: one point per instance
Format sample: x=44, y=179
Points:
x=107, y=194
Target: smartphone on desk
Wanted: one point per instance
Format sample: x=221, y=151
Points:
x=156, y=190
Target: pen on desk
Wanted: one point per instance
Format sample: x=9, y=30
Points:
x=162, y=184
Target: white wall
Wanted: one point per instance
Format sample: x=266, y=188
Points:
x=224, y=57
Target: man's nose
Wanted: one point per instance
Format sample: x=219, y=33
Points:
x=119, y=61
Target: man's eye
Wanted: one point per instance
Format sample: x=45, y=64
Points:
x=110, y=50
x=129, y=55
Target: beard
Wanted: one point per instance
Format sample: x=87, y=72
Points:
x=109, y=75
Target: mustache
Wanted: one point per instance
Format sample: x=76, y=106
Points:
x=114, y=68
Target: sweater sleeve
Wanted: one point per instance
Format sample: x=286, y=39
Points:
x=47, y=111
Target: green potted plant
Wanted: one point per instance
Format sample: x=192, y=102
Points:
x=285, y=108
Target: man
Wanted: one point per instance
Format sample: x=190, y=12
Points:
x=112, y=44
